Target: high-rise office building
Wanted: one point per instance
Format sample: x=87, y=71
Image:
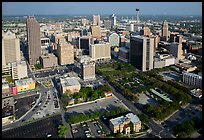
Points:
x=113, y=20
x=10, y=47
x=34, y=43
x=84, y=21
x=141, y=52
x=130, y=27
x=65, y=52
x=96, y=31
x=88, y=70
x=107, y=24
x=96, y=20
x=114, y=39
x=100, y=51
x=165, y=31
x=175, y=37
x=145, y=31
x=176, y=50
x=84, y=42
x=156, y=42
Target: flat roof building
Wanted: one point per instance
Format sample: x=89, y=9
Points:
x=70, y=83
x=25, y=84
x=49, y=60
x=141, y=52
x=65, y=53
x=34, y=43
x=96, y=31
x=10, y=47
x=192, y=79
x=100, y=51
x=88, y=70
x=19, y=70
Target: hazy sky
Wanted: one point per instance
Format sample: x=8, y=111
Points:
x=146, y=8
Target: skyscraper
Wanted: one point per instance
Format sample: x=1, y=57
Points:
x=65, y=53
x=33, y=36
x=165, y=30
x=107, y=24
x=96, y=20
x=113, y=20
x=88, y=70
x=141, y=52
x=145, y=31
x=96, y=31
x=176, y=50
x=10, y=47
x=100, y=51
x=137, y=14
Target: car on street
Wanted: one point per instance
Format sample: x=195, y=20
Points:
x=99, y=131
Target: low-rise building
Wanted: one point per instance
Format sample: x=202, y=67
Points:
x=196, y=93
x=186, y=67
x=6, y=90
x=192, y=79
x=49, y=60
x=25, y=85
x=164, y=60
x=8, y=110
x=124, y=123
x=70, y=83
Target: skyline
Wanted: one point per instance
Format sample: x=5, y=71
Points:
x=120, y=8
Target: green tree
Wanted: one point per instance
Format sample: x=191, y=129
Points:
x=62, y=130
x=38, y=66
x=144, y=118
x=9, y=79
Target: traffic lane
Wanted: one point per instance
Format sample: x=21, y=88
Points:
x=128, y=103
x=156, y=128
x=25, y=118
x=183, y=115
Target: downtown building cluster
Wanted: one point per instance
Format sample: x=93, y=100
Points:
x=90, y=42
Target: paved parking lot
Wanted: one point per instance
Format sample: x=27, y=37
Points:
x=54, y=72
x=38, y=129
x=22, y=105
x=50, y=106
x=146, y=99
x=107, y=104
x=88, y=129
x=95, y=128
x=169, y=75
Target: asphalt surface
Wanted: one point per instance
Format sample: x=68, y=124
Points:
x=38, y=129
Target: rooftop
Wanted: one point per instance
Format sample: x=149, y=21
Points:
x=197, y=93
x=160, y=95
x=120, y=120
x=24, y=82
x=192, y=74
x=69, y=81
x=22, y=63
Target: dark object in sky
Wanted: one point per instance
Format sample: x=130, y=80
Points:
x=137, y=9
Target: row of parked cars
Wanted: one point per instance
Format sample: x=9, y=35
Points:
x=56, y=103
